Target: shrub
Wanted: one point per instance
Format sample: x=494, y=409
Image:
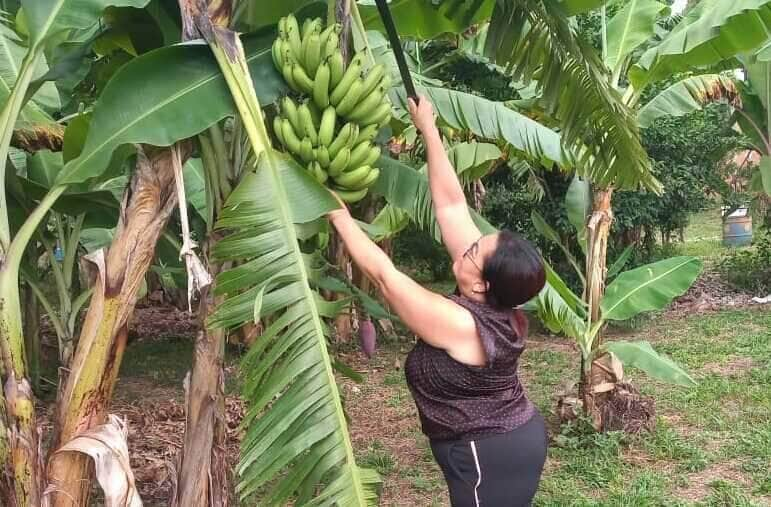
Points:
x=750, y=268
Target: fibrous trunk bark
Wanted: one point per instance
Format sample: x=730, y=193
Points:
x=596, y=256
x=203, y=480
x=147, y=205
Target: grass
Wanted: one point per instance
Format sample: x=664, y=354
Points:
x=711, y=445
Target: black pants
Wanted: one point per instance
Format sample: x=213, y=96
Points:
x=496, y=471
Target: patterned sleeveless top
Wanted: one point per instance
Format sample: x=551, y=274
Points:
x=457, y=401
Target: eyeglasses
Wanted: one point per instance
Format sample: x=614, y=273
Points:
x=471, y=252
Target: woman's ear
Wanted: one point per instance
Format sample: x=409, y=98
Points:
x=480, y=287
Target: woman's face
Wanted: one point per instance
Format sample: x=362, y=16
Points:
x=468, y=268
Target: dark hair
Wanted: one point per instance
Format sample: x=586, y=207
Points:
x=514, y=271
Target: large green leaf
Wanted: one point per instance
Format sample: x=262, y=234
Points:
x=711, y=32
x=535, y=41
x=557, y=315
x=630, y=28
x=641, y=355
x=296, y=433
x=11, y=56
x=493, y=120
x=166, y=95
x=688, y=95
x=649, y=287
x=47, y=19
x=424, y=19
x=752, y=118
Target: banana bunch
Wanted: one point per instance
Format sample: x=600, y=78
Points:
x=333, y=131
x=344, y=156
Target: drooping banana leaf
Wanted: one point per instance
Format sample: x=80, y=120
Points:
x=649, y=287
x=493, y=120
x=556, y=314
x=535, y=41
x=166, y=95
x=620, y=262
x=632, y=26
x=641, y=355
x=423, y=19
x=303, y=431
x=711, y=32
x=688, y=95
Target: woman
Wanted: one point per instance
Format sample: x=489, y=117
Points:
x=487, y=437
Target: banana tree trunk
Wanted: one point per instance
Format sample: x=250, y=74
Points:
x=203, y=466
x=596, y=254
x=32, y=336
x=147, y=205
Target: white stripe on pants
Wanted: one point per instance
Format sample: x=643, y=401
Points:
x=479, y=472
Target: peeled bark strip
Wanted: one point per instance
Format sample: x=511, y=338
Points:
x=147, y=205
x=596, y=254
x=202, y=480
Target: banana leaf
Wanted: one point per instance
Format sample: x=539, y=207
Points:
x=649, y=287
x=711, y=32
x=642, y=356
x=631, y=27
x=688, y=95
x=296, y=434
x=166, y=95
x=421, y=19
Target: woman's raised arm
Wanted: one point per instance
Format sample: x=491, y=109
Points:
x=455, y=223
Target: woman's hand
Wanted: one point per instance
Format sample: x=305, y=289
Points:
x=338, y=213
x=422, y=114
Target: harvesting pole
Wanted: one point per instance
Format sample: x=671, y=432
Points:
x=393, y=38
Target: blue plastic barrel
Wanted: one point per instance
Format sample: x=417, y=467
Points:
x=737, y=228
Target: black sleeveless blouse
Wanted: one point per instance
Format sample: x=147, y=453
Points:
x=457, y=401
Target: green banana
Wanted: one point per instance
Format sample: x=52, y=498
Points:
x=278, y=58
x=306, y=25
x=321, y=85
x=372, y=156
x=286, y=71
x=315, y=113
x=291, y=140
x=372, y=79
x=301, y=78
x=359, y=153
x=282, y=28
x=349, y=77
x=339, y=163
x=366, y=106
x=312, y=54
x=341, y=140
x=306, y=119
x=352, y=178
x=368, y=133
x=382, y=114
x=277, y=129
x=327, y=128
x=317, y=172
x=352, y=96
x=351, y=196
x=306, y=149
x=324, y=35
x=371, y=178
x=336, y=69
x=289, y=111
x=293, y=34
x=331, y=44
x=322, y=155
x=351, y=142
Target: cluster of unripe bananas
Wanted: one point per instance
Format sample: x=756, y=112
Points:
x=333, y=130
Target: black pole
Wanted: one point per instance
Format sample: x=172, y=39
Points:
x=393, y=37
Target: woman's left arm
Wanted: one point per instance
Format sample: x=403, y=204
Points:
x=434, y=318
